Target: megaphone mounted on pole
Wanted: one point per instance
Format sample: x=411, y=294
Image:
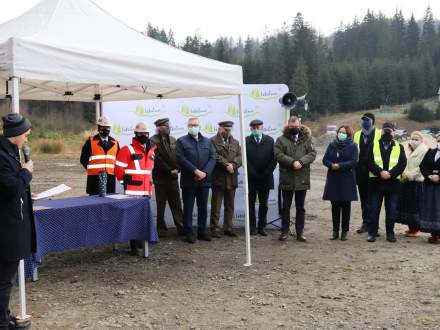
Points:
x=288, y=100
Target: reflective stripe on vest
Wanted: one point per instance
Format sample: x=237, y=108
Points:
x=394, y=157
x=99, y=161
x=139, y=192
x=357, y=136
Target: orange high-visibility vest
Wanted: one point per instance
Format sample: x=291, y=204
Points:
x=100, y=161
x=134, y=167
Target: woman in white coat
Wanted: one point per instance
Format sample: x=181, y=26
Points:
x=412, y=187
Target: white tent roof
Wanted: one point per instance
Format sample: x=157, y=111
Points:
x=64, y=47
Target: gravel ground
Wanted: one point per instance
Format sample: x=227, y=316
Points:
x=320, y=284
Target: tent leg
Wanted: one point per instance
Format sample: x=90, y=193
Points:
x=97, y=110
x=245, y=183
x=21, y=280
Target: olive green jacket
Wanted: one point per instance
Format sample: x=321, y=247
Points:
x=287, y=151
x=226, y=153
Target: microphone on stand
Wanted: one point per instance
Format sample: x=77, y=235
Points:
x=26, y=153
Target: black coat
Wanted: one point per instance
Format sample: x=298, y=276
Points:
x=429, y=166
x=341, y=183
x=261, y=162
x=393, y=184
x=17, y=228
x=93, y=180
x=164, y=160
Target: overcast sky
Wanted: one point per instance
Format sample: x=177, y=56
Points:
x=235, y=18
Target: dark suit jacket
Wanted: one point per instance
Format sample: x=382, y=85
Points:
x=164, y=160
x=261, y=162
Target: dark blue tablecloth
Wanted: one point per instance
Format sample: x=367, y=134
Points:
x=89, y=221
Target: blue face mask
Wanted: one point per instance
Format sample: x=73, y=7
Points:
x=342, y=136
x=366, y=124
x=257, y=133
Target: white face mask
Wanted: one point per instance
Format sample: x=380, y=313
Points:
x=415, y=143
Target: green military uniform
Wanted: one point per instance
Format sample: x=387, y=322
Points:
x=224, y=183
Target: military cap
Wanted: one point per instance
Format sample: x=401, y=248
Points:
x=161, y=122
x=226, y=124
x=256, y=122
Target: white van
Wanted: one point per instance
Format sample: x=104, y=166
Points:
x=331, y=129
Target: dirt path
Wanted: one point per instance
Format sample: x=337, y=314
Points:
x=321, y=284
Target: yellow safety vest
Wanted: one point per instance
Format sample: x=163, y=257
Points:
x=394, y=157
x=357, y=136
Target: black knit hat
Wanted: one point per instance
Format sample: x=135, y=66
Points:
x=15, y=124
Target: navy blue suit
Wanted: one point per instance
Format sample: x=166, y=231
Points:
x=192, y=154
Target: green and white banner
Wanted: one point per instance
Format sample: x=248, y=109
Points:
x=260, y=102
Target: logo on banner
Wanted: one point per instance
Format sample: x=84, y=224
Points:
x=118, y=129
x=271, y=130
x=264, y=95
x=234, y=112
x=178, y=130
x=209, y=128
x=150, y=111
x=188, y=111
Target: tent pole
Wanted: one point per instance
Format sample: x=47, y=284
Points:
x=97, y=110
x=21, y=280
x=245, y=182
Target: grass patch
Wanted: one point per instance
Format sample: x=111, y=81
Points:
x=47, y=146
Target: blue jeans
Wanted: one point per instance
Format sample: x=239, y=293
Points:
x=376, y=200
x=189, y=196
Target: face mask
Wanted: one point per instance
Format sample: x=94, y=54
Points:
x=226, y=135
x=194, y=131
x=342, y=136
x=294, y=130
x=257, y=133
x=104, y=132
x=142, y=139
x=387, y=137
x=366, y=124
x=166, y=131
x=414, y=143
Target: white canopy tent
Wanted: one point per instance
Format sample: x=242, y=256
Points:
x=72, y=50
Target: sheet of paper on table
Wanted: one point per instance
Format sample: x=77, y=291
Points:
x=119, y=196
x=51, y=192
x=40, y=207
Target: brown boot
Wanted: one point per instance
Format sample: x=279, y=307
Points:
x=283, y=236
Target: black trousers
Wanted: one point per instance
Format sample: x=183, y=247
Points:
x=364, y=195
x=169, y=193
x=300, y=197
x=8, y=272
x=263, y=197
x=338, y=209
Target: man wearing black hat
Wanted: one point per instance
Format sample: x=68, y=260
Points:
x=261, y=163
x=17, y=229
x=165, y=176
x=387, y=161
x=364, y=139
x=224, y=179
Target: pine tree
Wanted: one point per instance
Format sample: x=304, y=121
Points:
x=412, y=37
x=299, y=83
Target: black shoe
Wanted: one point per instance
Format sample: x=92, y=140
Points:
x=204, y=237
x=254, y=231
x=190, y=239
x=230, y=233
x=335, y=236
x=362, y=229
x=16, y=324
x=283, y=236
x=344, y=236
x=216, y=234
x=391, y=239
x=371, y=238
x=262, y=232
x=301, y=238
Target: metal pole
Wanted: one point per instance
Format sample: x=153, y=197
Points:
x=21, y=279
x=245, y=182
x=97, y=110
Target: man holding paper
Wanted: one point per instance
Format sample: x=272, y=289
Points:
x=17, y=229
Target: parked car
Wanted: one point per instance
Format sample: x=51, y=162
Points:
x=331, y=129
x=401, y=134
x=433, y=130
